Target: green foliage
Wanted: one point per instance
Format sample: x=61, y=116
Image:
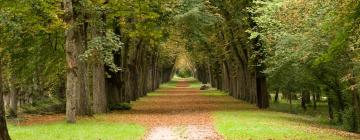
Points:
x=31, y=45
x=45, y=106
x=310, y=46
x=351, y=121
x=105, y=47
x=184, y=73
x=120, y=106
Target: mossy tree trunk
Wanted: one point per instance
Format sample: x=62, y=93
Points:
x=4, y=135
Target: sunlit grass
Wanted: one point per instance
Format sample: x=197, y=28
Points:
x=194, y=83
x=155, y=94
x=256, y=124
x=213, y=92
x=83, y=130
x=170, y=84
x=320, y=114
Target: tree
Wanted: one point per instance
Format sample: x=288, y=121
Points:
x=315, y=46
x=72, y=42
x=3, y=127
x=224, y=53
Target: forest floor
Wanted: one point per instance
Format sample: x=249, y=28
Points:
x=180, y=111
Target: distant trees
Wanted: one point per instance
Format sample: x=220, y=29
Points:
x=216, y=32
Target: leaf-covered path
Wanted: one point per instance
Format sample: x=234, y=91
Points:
x=174, y=114
x=198, y=124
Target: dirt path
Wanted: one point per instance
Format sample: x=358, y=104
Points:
x=199, y=124
x=180, y=113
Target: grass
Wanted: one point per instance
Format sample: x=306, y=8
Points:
x=155, y=94
x=170, y=84
x=194, y=83
x=213, y=92
x=277, y=122
x=82, y=130
x=320, y=114
x=256, y=124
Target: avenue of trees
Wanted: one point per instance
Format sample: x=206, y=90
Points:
x=80, y=57
x=306, y=48
x=89, y=54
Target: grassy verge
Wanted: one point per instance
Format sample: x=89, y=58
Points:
x=258, y=124
x=83, y=130
x=170, y=84
x=320, y=113
x=194, y=83
x=155, y=94
x=213, y=92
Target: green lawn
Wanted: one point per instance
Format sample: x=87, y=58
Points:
x=82, y=130
x=256, y=124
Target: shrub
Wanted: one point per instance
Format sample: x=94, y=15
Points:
x=351, y=122
x=45, y=106
x=184, y=73
x=120, y=106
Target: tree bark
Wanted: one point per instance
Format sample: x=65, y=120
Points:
x=4, y=135
x=303, y=99
x=72, y=78
x=13, y=98
x=276, y=99
x=99, y=91
x=7, y=102
x=262, y=94
x=82, y=99
x=355, y=96
x=314, y=100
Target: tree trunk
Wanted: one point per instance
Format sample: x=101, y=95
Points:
x=290, y=100
x=4, y=135
x=330, y=102
x=13, y=99
x=314, y=100
x=355, y=97
x=99, y=93
x=83, y=102
x=72, y=78
x=276, y=99
x=303, y=100
x=262, y=94
x=7, y=102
